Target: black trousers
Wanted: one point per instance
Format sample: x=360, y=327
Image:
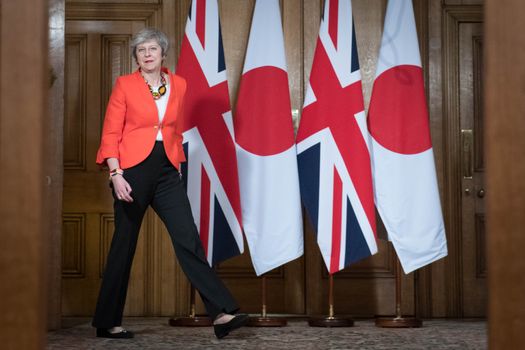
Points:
x=158, y=183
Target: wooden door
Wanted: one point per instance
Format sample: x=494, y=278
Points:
x=96, y=52
x=463, y=144
x=474, y=296
x=87, y=203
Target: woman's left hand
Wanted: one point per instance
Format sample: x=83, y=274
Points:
x=122, y=188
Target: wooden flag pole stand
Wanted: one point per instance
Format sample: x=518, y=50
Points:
x=398, y=321
x=330, y=320
x=264, y=320
x=192, y=320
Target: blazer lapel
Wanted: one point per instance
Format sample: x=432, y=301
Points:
x=171, y=108
x=150, y=106
x=145, y=95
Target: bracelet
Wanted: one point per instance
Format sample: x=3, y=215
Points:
x=116, y=171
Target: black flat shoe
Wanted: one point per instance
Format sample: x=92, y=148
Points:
x=222, y=330
x=105, y=333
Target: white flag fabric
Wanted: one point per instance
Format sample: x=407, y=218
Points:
x=405, y=183
x=266, y=155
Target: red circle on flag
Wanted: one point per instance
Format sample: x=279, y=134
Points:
x=263, y=119
x=398, y=115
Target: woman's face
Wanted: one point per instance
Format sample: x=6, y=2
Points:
x=149, y=56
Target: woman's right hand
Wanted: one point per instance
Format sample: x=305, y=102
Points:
x=122, y=188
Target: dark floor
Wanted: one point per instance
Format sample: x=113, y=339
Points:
x=155, y=333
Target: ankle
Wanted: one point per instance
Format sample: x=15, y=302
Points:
x=116, y=329
x=223, y=318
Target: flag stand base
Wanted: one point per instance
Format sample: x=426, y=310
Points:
x=192, y=320
x=398, y=322
x=264, y=320
x=328, y=321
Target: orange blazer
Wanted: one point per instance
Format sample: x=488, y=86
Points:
x=132, y=122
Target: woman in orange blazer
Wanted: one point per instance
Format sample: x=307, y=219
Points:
x=142, y=146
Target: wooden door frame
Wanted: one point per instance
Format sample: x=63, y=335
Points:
x=24, y=78
x=452, y=17
x=504, y=110
x=54, y=160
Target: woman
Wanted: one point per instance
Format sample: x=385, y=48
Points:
x=142, y=146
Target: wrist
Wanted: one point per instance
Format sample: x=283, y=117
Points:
x=115, y=172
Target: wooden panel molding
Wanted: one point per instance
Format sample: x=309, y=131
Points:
x=174, y=21
x=116, y=61
x=54, y=162
x=151, y=259
x=138, y=290
x=452, y=17
x=147, y=12
x=115, y=1
x=153, y=265
x=477, y=55
x=240, y=267
x=75, y=102
x=73, y=245
x=421, y=13
x=107, y=226
x=481, y=246
x=377, y=266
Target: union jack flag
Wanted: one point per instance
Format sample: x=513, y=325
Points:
x=211, y=169
x=332, y=146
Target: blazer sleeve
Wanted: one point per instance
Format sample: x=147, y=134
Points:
x=113, y=124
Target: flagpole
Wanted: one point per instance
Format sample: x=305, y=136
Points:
x=331, y=320
x=264, y=320
x=192, y=320
x=398, y=321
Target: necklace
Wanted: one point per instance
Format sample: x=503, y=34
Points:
x=161, y=91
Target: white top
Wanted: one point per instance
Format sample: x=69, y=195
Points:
x=162, y=104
